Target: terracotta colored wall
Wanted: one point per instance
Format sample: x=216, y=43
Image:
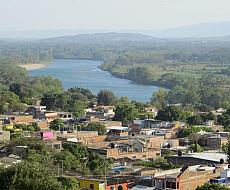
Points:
x=155, y=142
x=23, y=119
x=42, y=125
x=191, y=180
x=124, y=186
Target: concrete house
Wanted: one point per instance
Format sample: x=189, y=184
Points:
x=37, y=111
x=188, y=178
x=198, y=158
x=4, y=136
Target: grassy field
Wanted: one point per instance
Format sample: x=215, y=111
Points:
x=181, y=70
x=194, y=70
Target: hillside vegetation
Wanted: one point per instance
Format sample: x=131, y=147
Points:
x=199, y=68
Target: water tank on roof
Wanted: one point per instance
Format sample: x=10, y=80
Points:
x=113, y=145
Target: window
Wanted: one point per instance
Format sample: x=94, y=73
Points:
x=174, y=185
x=120, y=187
x=91, y=186
x=57, y=146
x=171, y=185
x=168, y=184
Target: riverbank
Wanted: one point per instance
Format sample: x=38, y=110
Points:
x=156, y=83
x=33, y=66
x=85, y=74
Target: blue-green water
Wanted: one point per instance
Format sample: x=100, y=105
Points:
x=85, y=74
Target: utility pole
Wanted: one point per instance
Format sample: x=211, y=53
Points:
x=58, y=170
x=62, y=167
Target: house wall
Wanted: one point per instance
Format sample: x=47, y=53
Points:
x=111, y=123
x=85, y=137
x=168, y=135
x=4, y=136
x=37, y=111
x=155, y=142
x=22, y=119
x=174, y=142
x=50, y=116
x=147, y=132
x=93, y=140
x=117, y=186
x=188, y=160
x=42, y=124
x=109, y=153
x=216, y=143
x=85, y=183
x=47, y=135
x=159, y=184
x=53, y=144
x=190, y=180
x=114, y=153
x=92, y=118
x=187, y=180
x=140, y=155
x=85, y=134
x=147, y=172
x=138, y=146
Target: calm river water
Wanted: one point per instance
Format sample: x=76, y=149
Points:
x=85, y=74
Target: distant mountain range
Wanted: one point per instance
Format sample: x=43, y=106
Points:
x=114, y=38
x=192, y=31
x=110, y=37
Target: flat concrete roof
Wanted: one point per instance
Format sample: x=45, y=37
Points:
x=211, y=156
x=139, y=187
x=117, y=128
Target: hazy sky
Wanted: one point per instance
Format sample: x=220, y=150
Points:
x=109, y=14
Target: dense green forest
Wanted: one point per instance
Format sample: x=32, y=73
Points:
x=22, y=52
x=195, y=70
x=43, y=168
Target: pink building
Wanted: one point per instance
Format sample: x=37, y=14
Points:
x=47, y=135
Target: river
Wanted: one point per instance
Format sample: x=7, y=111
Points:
x=86, y=74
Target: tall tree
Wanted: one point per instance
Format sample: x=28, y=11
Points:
x=125, y=111
x=96, y=126
x=66, y=159
x=212, y=186
x=57, y=124
x=170, y=113
x=78, y=108
x=68, y=183
x=28, y=176
x=10, y=102
x=159, y=99
x=195, y=120
x=106, y=97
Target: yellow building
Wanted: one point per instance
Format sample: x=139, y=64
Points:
x=95, y=184
x=8, y=127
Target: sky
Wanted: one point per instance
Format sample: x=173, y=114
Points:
x=16, y=15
